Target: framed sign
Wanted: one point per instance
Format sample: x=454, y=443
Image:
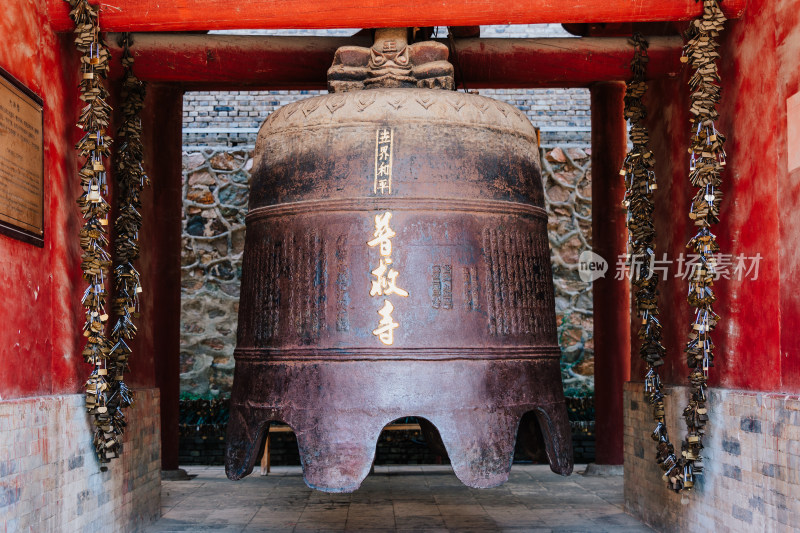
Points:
x=21, y=162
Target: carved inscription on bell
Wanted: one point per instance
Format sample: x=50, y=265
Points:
x=515, y=282
x=384, y=139
x=442, y=287
x=342, y=283
x=289, y=266
x=384, y=282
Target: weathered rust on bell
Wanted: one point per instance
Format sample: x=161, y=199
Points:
x=396, y=264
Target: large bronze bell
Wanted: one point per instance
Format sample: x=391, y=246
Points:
x=396, y=264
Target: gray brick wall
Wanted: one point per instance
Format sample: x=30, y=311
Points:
x=50, y=480
x=230, y=117
x=562, y=114
x=506, y=30
x=751, y=471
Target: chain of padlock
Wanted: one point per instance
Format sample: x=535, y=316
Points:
x=640, y=182
x=706, y=162
x=130, y=178
x=94, y=147
x=707, y=159
x=106, y=392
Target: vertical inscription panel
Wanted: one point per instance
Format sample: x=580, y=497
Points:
x=285, y=286
x=442, y=286
x=384, y=140
x=518, y=283
x=342, y=284
x=21, y=162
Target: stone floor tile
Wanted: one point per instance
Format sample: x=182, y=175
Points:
x=416, y=530
x=415, y=508
x=255, y=528
x=358, y=523
x=427, y=499
x=526, y=529
x=419, y=522
x=323, y=519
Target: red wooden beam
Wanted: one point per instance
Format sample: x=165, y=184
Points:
x=225, y=62
x=561, y=62
x=198, y=15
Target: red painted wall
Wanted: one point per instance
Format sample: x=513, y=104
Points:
x=40, y=312
x=787, y=42
x=40, y=315
x=759, y=335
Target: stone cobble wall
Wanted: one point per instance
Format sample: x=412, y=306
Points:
x=215, y=189
x=751, y=466
x=215, y=203
x=566, y=176
x=50, y=480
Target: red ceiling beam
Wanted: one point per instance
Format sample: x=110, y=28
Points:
x=563, y=62
x=229, y=62
x=198, y=15
x=225, y=62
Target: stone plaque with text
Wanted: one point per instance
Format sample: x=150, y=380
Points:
x=21, y=162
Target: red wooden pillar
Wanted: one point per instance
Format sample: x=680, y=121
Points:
x=160, y=263
x=612, y=364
